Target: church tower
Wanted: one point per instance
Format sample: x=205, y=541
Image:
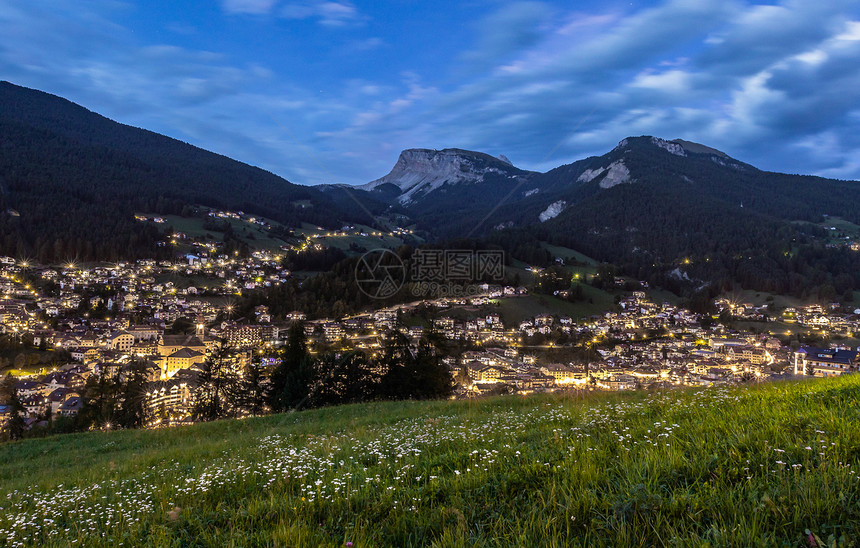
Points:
x=201, y=328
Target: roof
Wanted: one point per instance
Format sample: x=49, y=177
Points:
x=59, y=394
x=27, y=385
x=142, y=328
x=181, y=340
x=185, y=353
x=828, y=355
x=60, y=377
x=72, y=404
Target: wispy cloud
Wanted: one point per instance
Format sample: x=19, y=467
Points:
x=515, y=27
x=330, y=13
x=248, y=6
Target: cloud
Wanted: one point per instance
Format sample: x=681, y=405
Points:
x=851, y=33
x=330, y=13
x=760, y=35
x=247, y=6
x=570, y=82
x=671, y=81
x=368, y=44
x=773, y=85
x=626, y=43
x=750, y=79
x=516, y=26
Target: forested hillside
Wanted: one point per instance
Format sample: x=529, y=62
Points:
x=70, y=181
x=714, y=219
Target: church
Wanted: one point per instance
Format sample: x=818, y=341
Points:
x=177, y=352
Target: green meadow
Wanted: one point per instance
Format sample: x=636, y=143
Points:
x=766, y=465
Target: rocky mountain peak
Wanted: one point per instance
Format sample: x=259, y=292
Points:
x=678, y=147
x=419, y=171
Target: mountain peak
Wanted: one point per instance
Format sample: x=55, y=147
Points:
x=419, y=171
x=697, y=148
x=678, y=147
x=647, y=140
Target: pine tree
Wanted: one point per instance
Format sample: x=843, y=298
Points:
x=396, y=382
x=432, y=377
x=253, y=391
x=413, y=374
x=344, y=378
x=100, y=402
x=133, y=411
x=291, y=379
x=216, y=390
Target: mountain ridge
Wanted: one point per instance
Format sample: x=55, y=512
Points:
x=654, y=206
x=431, y=183
x=75, y=178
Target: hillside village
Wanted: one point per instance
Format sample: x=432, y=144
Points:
x=96, y=321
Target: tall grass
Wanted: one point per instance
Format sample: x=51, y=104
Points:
x=771, y=465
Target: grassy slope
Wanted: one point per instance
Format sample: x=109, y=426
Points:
x=193, y=227
x=759, y=298
x=366, y=242
x=661, y=296
x=344, y=242
x=739, y=467
x=843, y=228
x=567, y=254
x=516, y=309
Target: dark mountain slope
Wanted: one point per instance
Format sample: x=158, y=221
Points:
x=441, y=188
x=659, y=209
x=710, y=217
x=72, y=179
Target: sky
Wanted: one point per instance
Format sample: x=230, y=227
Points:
x=330, y=91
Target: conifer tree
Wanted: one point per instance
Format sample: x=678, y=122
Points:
x=291, y=379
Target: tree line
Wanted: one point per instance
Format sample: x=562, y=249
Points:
x=300, y=380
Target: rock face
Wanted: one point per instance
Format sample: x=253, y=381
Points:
x=616, y=174
x=419, y=171
x=671, y=146
x=552, y=211
x=590, y=174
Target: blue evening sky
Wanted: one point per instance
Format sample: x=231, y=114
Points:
x=330, y=91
